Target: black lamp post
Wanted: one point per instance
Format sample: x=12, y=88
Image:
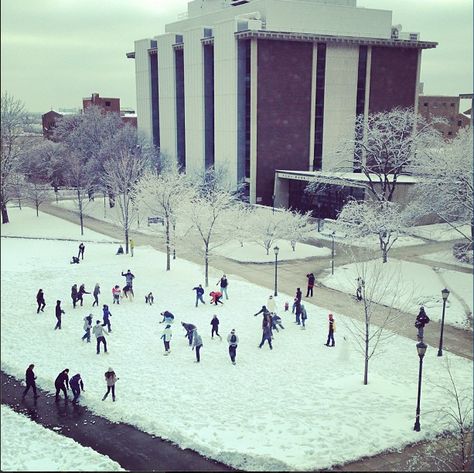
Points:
x=276, y=250
x=421, y=348
x=332, y=253
x=445, y=294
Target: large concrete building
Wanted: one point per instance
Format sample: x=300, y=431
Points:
x=258, y=86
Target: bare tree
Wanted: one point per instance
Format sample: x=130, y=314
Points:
x=240, y=219
x=37, y=194
x=299, y=228
x=17, y=187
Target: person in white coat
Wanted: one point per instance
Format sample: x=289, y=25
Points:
x=166, y=336
x=197, y=344
x=99, y=333
x=271, y=305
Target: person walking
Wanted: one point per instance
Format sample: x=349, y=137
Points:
x=62, y=384
x=110, y=379
x=266, y=335
x=87, y=328
x=132, y=247
x=309, y=290
x=40, y=300
x=199, y=294
x=96, y=293
x=189, y=331
x=82, y=248
x=59, y=312
x=271, y=304
x=216, y=297
x=360, y=285
x=99, y=333
x=166, y=336
x=81, y=292
x=197, y=344
x=106, y=317
x=223, y=283
x=129, y=277
x=304, y=316
x=30, y=382
x=116, y=291
x=332, y=329
x=77, y=385
x=149, y=299
x=215, y=327
x=421, y=320
x=233, y=341
x=74, y=293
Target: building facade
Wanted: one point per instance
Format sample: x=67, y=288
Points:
x=257, y=86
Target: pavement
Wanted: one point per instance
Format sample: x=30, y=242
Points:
x=292, y=274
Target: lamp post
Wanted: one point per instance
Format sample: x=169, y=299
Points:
x=421, y=348
x=276, y=250
x=445, y=294
x=332, y=253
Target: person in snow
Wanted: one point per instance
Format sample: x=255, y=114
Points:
x=271, y=305
x=99, y=333
x=421, y=320
x=129, y=277
x=199, y=294
x=62, y=383
x=304, y=316
x=106, y=314
x=197, y=344
x=216, y=297
x=298, y=295
x=58, y=312
x=215, y=327
x=74, y=260
x=276, y=322
x=223, y=283
x=96, y=293
x=87, y=328
x=149, y=299
x=189, y=331
x=30, y=381
x=309, y=290
x=120, y=250
x=266, y=335
x=81, y=292
x=166, y=336
x=127, y=292
x=360, y=285
x=132, y=247
x=331, y=330
x=77, y=386
x=82, y=247
x=298, y=311
x=116, y=292
x=263, y=311
x=168, y=317
x=40, y=300
x=74, y=295
x=110, y=379
x=233, y=341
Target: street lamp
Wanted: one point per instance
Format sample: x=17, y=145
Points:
x=421, y=348
x=445, y=294
x=332, y=253
x=276, y=250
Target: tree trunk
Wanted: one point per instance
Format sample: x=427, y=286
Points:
x=5, y=218
x=168, y=250
x=126, y=240
x=81, y=217
x=37, y=209
x=206, y=266
x=19, y=202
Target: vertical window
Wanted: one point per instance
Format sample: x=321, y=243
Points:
x=360, y=101
x=208, y=52
x=319, y=115
x=155, y=98
x=180, y=125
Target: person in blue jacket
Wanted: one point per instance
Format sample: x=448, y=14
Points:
x=215, y=327
x=199, y=293
x=76, y=385
x=189, y=331
x=168, y=317
x=106, y=314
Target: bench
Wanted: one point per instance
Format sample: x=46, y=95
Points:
x=155, y=220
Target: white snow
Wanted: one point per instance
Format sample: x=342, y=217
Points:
x=28, y=446
x=439, y=232
x=419, y=285
x=300, y=406
x=445, y=257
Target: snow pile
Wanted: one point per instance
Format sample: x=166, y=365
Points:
x=28, y=446
x=439, y=232
x=445, y=257
x=419, y=285
x=299, y=406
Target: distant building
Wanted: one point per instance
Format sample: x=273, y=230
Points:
x=443, y=106
x=105, y=103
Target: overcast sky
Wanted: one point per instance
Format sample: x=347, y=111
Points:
x=55, y=52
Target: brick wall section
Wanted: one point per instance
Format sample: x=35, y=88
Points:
x=392, y=78
x=283, y=111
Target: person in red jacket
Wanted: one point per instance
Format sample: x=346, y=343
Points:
x=216, y=297
x=116, y=291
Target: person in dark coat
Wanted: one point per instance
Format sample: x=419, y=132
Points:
x=129, y=277
x=421, y=320
x=40, y=300
x=106, y=317
x=74, y=260
x=266, y=335
x=264, y=311
x=233, y=341
x=149, y=299
x=331, y=330
x=311, y=279
x=74, y=293
x=199, y=294
x=215, y=327
x=77, y=386
x=223, y=283
x=168, y=317
x=189, y=331
x=82, y=247
x=59, y=312
x=276, y=322
x=96, y=293
x=62, y=384
x=30, y=381
x=81, y=292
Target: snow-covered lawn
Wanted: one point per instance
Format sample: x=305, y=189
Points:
x=28, y=446
x=445, y=257
x=300, y=406
x=439, y=232
x=419, y=284
x=251, y=252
